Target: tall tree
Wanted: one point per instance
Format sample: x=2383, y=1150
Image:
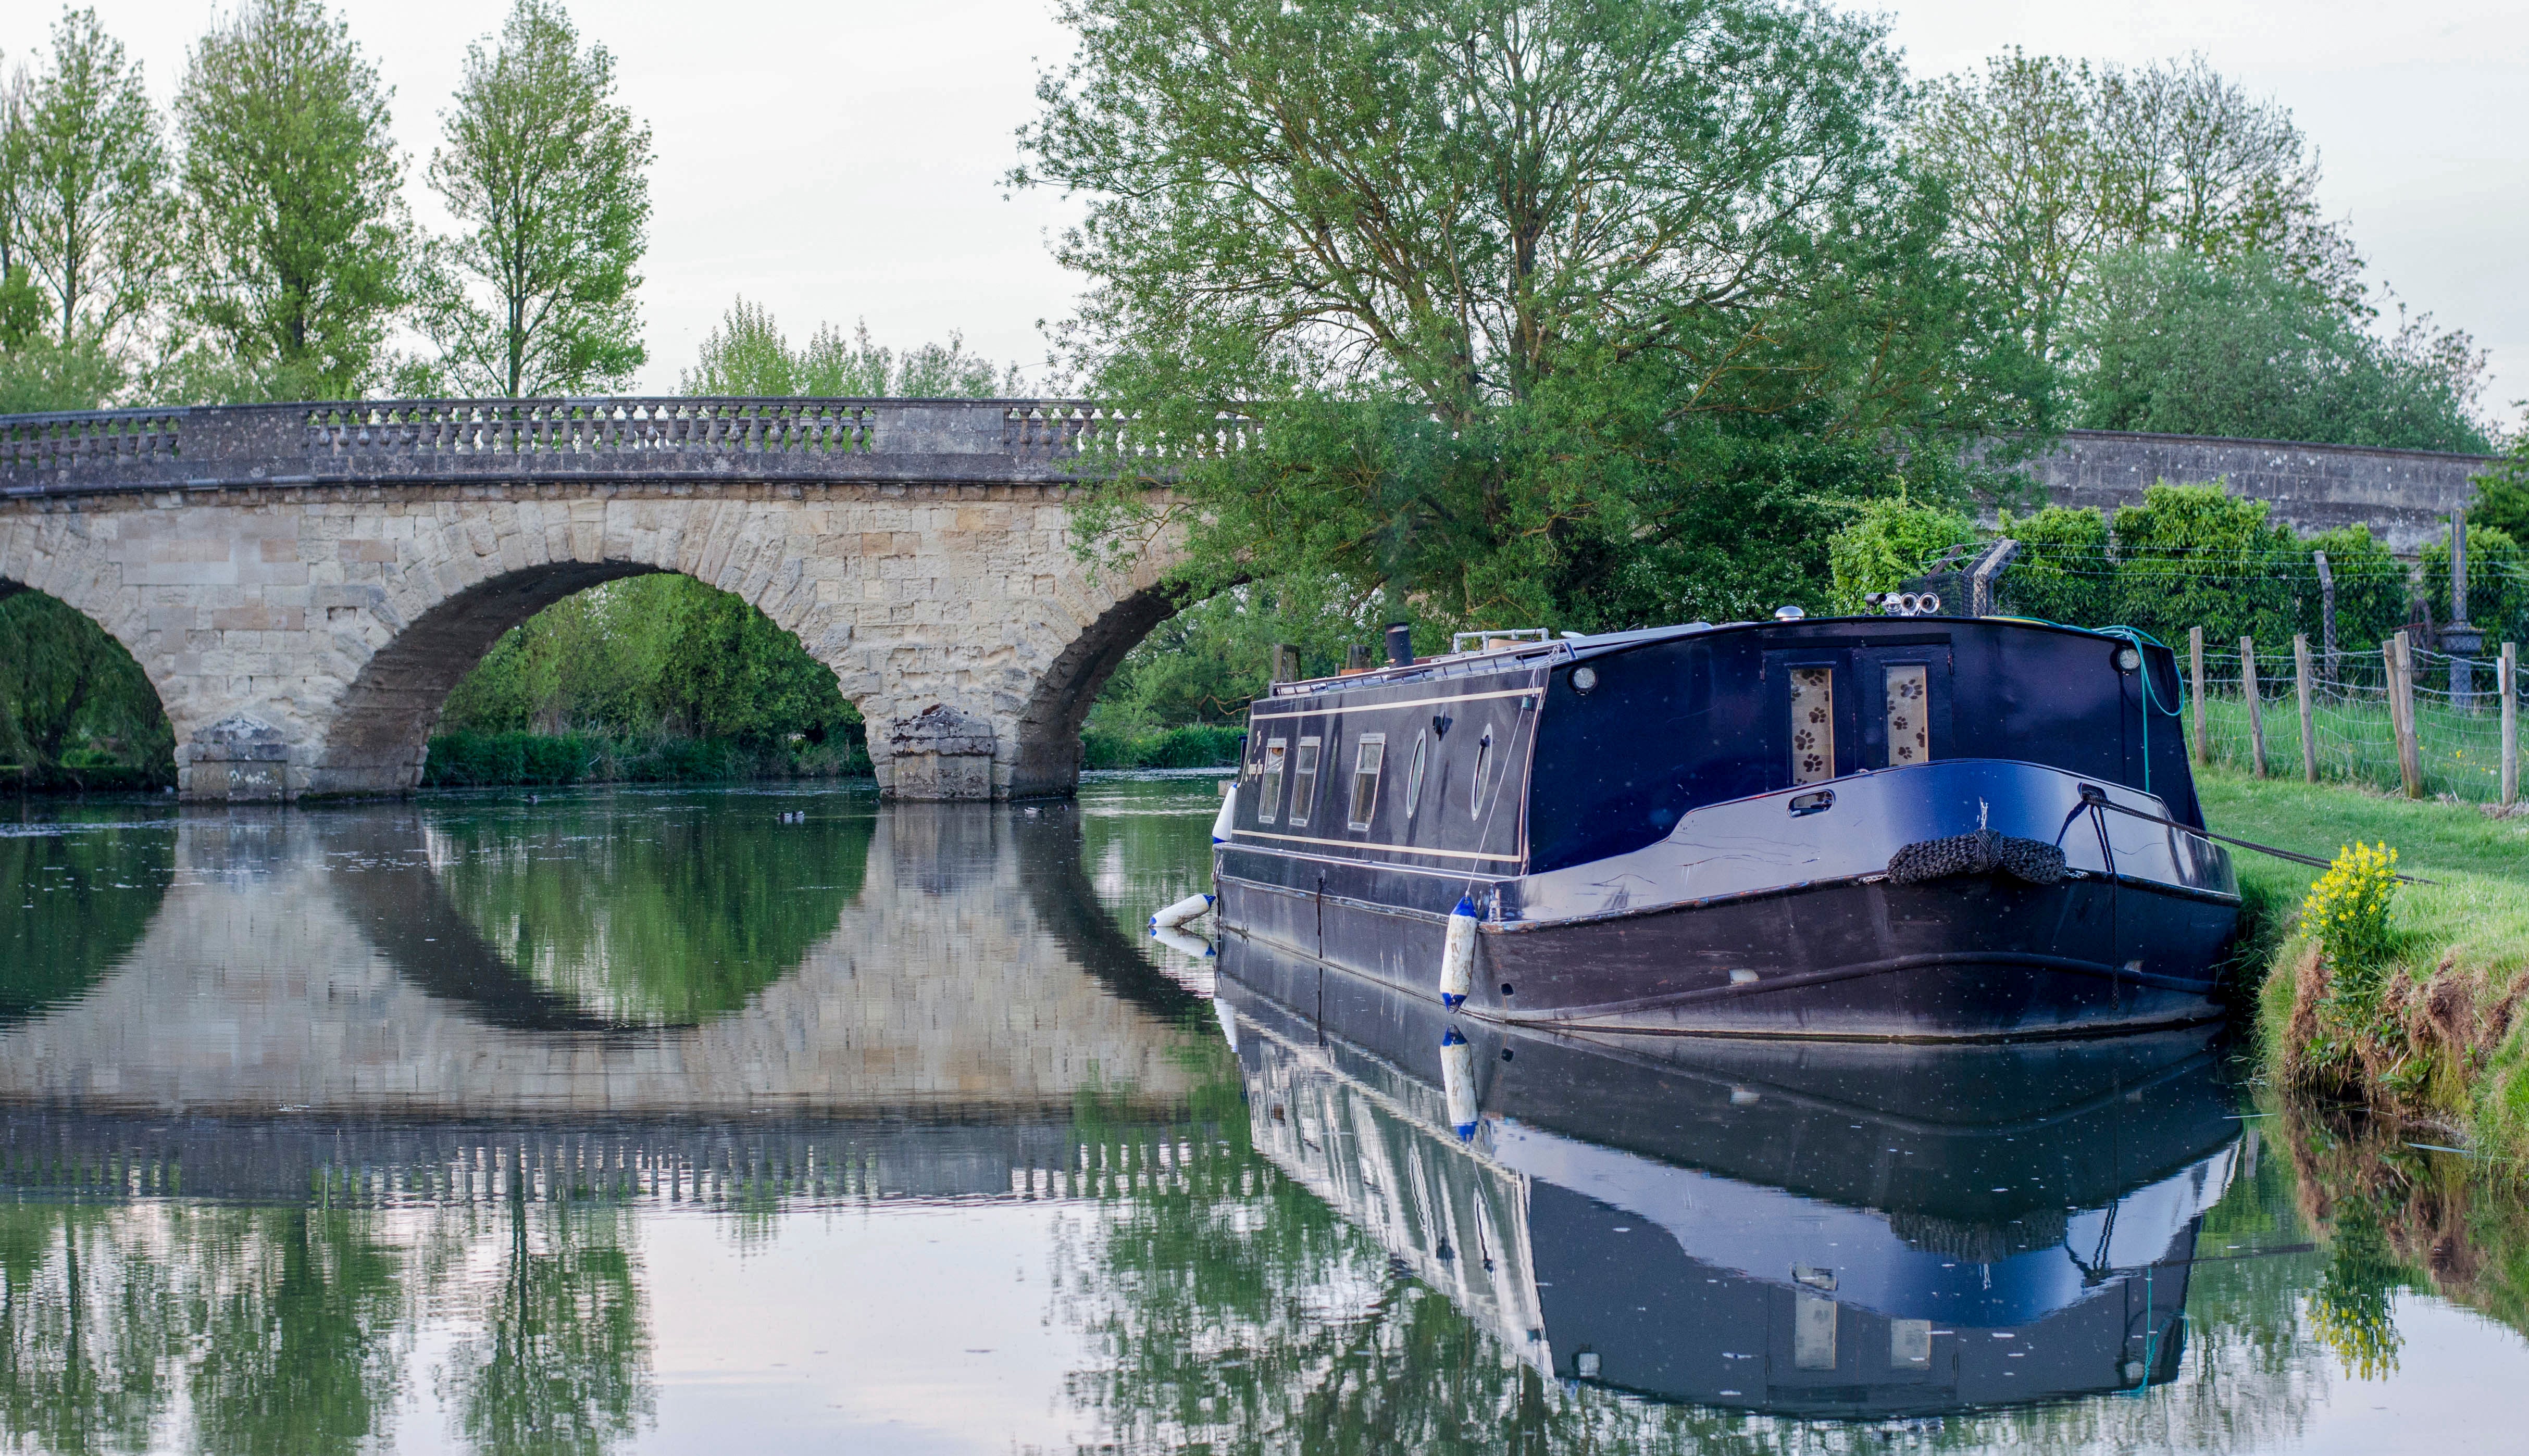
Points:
x=296, y=238
x=89, y=217
x=549, y=177
x=2055, y=163
x=1523, y=289
x=2173, y=343
x=747, y=354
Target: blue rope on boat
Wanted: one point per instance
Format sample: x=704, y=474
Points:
x=2150, y=695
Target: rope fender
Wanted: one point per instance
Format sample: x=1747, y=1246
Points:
x=1981, y=852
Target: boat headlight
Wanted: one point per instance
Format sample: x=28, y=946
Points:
x=2127, y=660
x=1583, y=679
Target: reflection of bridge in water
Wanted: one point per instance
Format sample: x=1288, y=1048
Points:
x=309, y=1001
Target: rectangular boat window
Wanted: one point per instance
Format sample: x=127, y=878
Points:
x=1303, y=782
x=1813, y=725
x=1414, y=775
x=1910, y=1344
x=1365, y=778
x=1268, y=798
x=1814, y=1333
x=1909, y=715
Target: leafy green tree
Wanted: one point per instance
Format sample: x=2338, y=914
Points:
x=747, y=354
x=548, y=175
x=654, y=655
x=67, y=688
x=1504, y=290
x=90, y=221
x=1889, y=541
x=2055, y=165
x=2374, y=590
x=2502, y=490
x=2063, y=571
x=2198, y=556
x=2178, y=344
x=2498, y=582
x=298, y=241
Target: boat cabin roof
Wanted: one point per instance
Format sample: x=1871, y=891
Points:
x=1576, y=647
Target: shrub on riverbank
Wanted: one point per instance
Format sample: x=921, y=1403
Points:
x=2440, y=1037
x=486, y=759
x=1194, y=746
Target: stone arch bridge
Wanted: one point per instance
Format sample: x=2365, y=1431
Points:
x=303, y=584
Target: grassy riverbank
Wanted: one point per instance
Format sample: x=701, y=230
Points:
x=2444, y=1040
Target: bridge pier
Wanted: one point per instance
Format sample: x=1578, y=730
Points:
x=304, y=584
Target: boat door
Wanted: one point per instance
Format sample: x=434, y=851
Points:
x=1905, y=703
x=1847, y=709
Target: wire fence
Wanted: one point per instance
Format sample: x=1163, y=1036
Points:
x=2458, y=718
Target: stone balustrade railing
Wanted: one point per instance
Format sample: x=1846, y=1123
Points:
x=439, y=441
x=2403, y=495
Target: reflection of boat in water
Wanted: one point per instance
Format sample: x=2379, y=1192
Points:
x=1819, y=1228
x=1927, y=828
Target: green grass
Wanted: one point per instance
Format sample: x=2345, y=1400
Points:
x=2459, y=752
x=2470, y=925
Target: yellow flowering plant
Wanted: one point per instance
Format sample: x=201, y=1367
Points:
x=2348, y=912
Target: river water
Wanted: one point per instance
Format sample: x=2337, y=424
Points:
x=711, y=1122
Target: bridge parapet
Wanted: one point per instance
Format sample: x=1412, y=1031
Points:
x=1003, y=441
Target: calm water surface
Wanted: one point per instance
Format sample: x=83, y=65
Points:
x=740, y=1122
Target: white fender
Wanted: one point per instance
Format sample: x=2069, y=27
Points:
x=1178, y=913
x=1228, y=815
x=1458, y=1082
x=1458, y=956
x=1182, y=943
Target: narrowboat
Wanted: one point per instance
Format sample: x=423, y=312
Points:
x=1908, y=827
x=1829, y=1229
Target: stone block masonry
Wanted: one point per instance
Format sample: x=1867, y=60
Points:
x=304, y=586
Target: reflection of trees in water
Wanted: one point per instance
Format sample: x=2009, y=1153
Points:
x=304, y=1336
x=2399, y=1217
x=561, y=1360
x=288, y=1330
x=1231, y=1309
x=91, y=1325
x=72, y=904
x=664, y=914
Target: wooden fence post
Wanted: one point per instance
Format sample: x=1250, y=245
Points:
x=2308, y=729
x=2326, y=611
x=2195, y=663
x=2401, y=712
x=2256, y=706
x=2509, y=673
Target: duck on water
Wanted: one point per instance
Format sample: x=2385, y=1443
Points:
x=1896, y=827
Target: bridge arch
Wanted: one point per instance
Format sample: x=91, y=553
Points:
x=62, y=572
x=305, y=583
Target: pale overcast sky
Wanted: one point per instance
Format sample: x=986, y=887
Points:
x=843, y=160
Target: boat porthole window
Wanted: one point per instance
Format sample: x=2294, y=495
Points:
x=1476, y=790
x=1268, y=797
x=1414, y=775
x=1813, y=725
x=1303, y=781
x=1910, y=707
x=1365, y=779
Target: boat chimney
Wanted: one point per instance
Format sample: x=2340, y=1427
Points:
x=1400, y=644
